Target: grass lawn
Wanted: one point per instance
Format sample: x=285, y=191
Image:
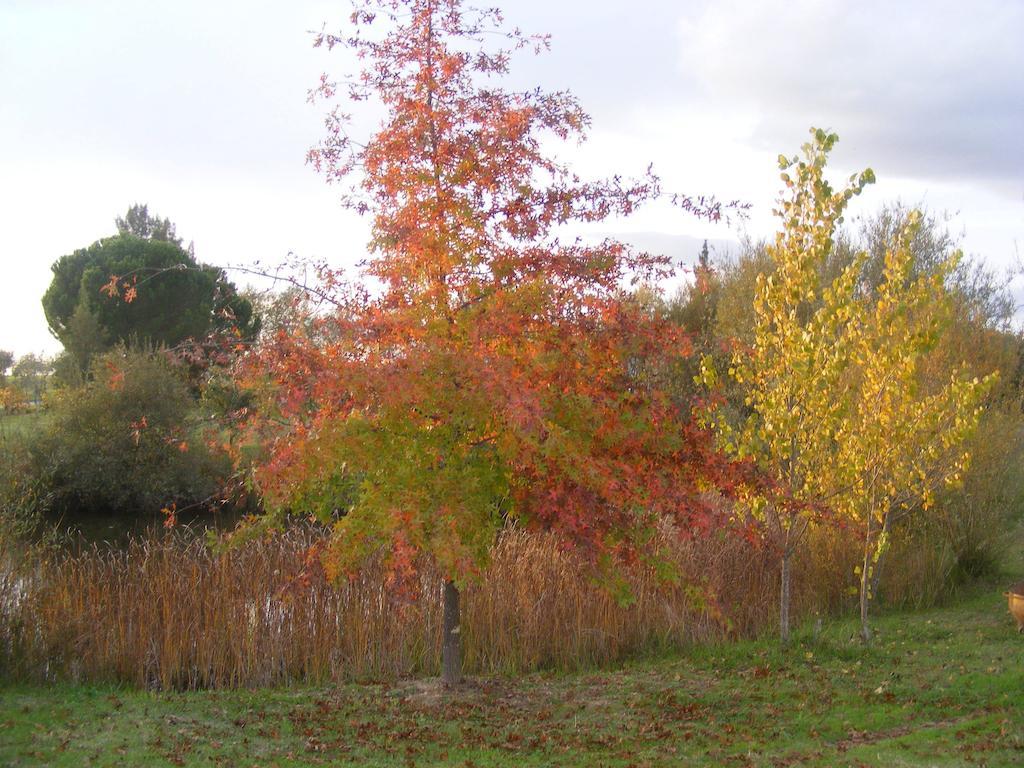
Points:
x=938, y=688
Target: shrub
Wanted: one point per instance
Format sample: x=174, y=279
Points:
x=22, y=495
x=977, y=516
x=128, y=441
x=12, y=400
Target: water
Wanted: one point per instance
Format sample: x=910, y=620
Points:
x=118, y=530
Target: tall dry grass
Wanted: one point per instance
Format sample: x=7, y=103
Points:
x=166, y=612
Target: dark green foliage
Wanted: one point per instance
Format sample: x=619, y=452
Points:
x=127, y=441
x=138, y=221
x=85, y=339
x=162, y=295
x=176, y=303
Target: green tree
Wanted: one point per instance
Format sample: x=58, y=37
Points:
x=737, y=277
x=138, y=222
x=84, y=340
x=183, y=299
x=31, y=374
x=694, y=309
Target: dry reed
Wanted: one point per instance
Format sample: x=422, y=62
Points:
x=166, y=612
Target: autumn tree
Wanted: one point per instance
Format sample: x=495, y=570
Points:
x=11, y=398
x=489, y=378
x=835, y=408
x=903, y=436
x=794, y=373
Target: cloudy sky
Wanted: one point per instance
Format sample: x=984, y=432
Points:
x=198, y=108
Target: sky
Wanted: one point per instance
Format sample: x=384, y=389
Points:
x=199, y=109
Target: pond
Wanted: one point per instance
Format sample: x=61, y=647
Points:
x=118, y=530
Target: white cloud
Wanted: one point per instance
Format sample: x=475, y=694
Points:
x=930, y=88
x=198, y=108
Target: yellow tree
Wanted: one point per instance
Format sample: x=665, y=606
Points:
x=900, y=439
x=795, y=373
x=833, y=411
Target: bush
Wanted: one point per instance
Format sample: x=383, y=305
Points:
x=128, y=441
x=12, y=400
x=977, y=517
x=22, y=495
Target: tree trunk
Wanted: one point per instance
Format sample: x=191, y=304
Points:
x=865, y=595
x=784, y=600
x=451, y=643
x=876, y=571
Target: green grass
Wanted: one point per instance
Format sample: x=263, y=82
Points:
x=17, y=425
x=938, y=688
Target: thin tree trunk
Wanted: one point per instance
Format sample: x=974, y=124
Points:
x=876, y=571
x=865, y=594
x=451, y=643
x=784, y=599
